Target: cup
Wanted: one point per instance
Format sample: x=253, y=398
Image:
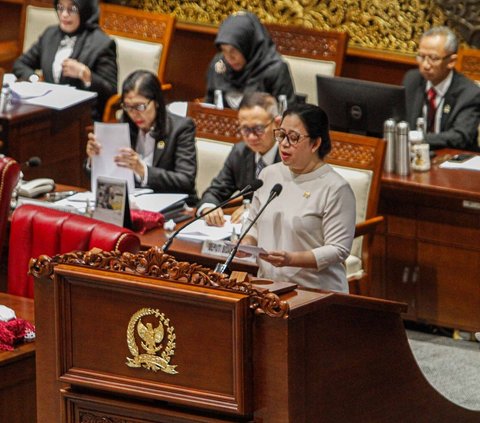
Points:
x=421, y=157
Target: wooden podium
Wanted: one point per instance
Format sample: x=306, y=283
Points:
x=143, y=338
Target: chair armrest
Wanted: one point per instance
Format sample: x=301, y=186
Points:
x=368, y=226
x=166, y=87
x=111, y=109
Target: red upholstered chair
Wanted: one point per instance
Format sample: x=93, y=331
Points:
x=37, y=230
x=9, y=174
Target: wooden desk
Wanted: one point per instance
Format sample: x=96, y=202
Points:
x=17, y=370
x=427, y=253
x=58, y=137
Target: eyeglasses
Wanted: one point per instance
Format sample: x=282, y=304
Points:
x=140, y=107
x=73, y=10
x=292, y=137
x=257, y=130
x=433, y=60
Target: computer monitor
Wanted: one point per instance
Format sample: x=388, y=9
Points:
x=358, y=106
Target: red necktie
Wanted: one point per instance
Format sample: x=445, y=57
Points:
x=431, y=95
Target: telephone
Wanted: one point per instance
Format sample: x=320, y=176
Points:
x=36, y=187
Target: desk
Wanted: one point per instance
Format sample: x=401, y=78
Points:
x=427, y=252
x=58, y=137
x=17, y=371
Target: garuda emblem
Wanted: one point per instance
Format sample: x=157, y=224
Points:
x=156, y=356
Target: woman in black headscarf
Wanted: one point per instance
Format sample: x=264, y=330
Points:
x=74, y=52
x=248, y=61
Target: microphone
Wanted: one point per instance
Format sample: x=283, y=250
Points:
x=257, y=183
x=275, y=192
x=33, y=162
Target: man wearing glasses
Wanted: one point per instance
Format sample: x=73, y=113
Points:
x=257, y=117
x=448, y=101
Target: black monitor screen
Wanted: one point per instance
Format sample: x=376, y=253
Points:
x=360, y=107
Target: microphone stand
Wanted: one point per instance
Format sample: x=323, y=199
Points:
x=223, y=268
x=245, y=191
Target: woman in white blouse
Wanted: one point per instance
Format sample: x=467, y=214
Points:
x=308, y=230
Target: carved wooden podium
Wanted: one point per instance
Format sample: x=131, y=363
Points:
x=143, y=338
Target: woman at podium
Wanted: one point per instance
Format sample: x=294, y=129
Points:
x=308, y=230
x=162, y=154
x=75, y=52
x=247, y=61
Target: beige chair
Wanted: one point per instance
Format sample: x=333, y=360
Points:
x=143, y=42
x=308, y=53
x=37, y=19
x=359, y=159
x=215, y=135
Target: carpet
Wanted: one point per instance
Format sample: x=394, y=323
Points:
x=451, y=366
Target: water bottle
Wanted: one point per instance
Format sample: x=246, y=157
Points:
x=389, y=137
x=282, y=103
x=402, y=149
x=218, y=99
x=246, y=212
x=5, y=98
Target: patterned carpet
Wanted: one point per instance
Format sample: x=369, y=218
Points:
x=451, y=366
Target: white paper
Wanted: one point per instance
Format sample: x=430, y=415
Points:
x=156, y=202
x=53, y=96
x=112, y=137
x=470, y=164
x=253, y=250
x=200, y=231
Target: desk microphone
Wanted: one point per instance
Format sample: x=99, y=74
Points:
x=257, y=183
x=223, y=268
x=32, y=162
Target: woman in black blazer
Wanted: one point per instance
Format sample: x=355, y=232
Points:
x=74, y=52
x=163, y=155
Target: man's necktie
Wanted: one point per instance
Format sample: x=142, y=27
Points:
x=260, y=165
x=431, y=96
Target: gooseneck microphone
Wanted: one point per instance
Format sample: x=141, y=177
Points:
x=257, y=183
x=32, y=162
x=223, y=268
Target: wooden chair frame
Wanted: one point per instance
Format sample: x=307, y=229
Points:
x=362, y=153
x=310, y=43
x=137, y=24
x=468, y=63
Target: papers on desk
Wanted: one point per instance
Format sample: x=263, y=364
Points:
x=157, y=202
x=470, y=164
x=150, y=202
x=200, y=231
x=53, y=96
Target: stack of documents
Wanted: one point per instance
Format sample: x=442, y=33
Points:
x=53, y=96
x=200, y=231
x=470, y=164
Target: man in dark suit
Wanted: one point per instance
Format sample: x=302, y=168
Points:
x=448, y=101
x=258, y=117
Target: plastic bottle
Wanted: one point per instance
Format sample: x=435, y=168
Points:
x=5, y=98
x=246, y=210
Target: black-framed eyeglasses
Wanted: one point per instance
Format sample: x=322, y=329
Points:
x=432, y=59
x=71, y=10
x=257, y=130
x=292, y=137
x=139, y=107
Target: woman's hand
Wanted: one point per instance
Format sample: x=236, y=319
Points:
x=215, y=218
x=74, y=69
x=93, y=146
x=277, y=258
x=131, y=160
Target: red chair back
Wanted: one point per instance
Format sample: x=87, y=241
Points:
x=37, y=230
x=9, y=174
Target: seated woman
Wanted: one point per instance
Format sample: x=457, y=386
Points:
x=76, y=52
x=163, y=155
x=308, y=232
x=247, y=61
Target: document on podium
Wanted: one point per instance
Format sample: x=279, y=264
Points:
x=112, y=137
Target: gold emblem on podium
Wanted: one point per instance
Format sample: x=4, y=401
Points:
x=156, y=356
